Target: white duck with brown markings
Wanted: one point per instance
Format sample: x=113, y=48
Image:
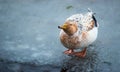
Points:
x=78, y=31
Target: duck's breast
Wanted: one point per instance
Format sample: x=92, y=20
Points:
x=69, y=42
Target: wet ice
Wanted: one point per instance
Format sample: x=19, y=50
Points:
x=28, y=32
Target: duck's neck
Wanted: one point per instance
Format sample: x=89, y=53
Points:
x=75, y=34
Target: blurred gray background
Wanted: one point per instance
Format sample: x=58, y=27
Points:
x=29, y=37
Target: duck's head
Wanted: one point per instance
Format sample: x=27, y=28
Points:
x=69, y=27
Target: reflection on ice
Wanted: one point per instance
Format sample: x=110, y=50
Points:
x=87, y=64
x=91, y=63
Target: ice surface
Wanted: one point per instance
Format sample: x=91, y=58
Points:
x=29, y=33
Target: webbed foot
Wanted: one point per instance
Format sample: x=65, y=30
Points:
x=81, y=54
x=69, y=51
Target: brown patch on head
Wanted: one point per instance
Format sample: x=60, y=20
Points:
x=71, y=27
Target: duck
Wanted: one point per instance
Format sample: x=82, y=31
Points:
x=78, y=32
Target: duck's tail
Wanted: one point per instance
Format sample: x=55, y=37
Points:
x=93, y=16
x=89, y=10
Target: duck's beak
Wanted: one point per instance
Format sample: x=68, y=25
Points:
x=64, y=26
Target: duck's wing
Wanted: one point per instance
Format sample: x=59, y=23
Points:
x=89, y=21
x=85, y=21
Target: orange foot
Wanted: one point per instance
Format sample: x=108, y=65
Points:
x=81, y=54
x=69, y=51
